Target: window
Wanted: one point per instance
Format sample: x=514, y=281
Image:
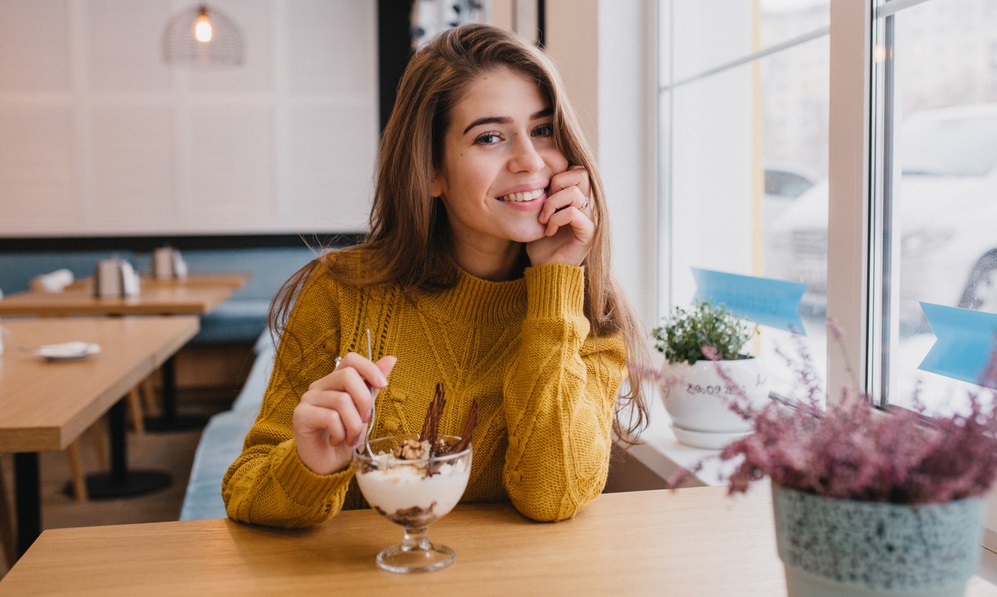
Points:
x=873, y=181
x=744, y=126
x=936, y=116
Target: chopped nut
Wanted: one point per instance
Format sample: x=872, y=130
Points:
x=410, y=450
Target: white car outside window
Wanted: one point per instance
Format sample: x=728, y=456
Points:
x=946, y=208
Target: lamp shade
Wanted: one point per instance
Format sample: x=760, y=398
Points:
x=202, y=37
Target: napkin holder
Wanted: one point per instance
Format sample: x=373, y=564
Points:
x=54, y=281
x=167, y=263
x=115, y=278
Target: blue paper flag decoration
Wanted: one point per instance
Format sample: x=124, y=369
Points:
x=765, y=301
x=964, y=341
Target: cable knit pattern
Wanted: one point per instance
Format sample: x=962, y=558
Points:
x=546, y=390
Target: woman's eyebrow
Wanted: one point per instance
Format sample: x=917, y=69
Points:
x=505, y=119
x=542, y=114
x=487, y=120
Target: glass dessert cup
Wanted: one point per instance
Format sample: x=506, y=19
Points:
x=413, y=494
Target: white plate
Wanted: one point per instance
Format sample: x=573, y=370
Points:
x=707, y=440
x=67, y=351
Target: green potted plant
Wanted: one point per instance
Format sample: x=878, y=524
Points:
x=708, y=382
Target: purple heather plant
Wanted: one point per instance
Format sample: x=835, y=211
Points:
x=855, y=450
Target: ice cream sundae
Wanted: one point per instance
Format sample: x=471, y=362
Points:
x=413, y=480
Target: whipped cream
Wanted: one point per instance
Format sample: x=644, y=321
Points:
x=401, y=486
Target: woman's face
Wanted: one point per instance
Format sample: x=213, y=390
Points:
x=498, y=160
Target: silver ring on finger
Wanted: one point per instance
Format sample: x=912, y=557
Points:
x=586, y=204
x=338, y=361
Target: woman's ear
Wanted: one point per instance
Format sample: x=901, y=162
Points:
x=438, y=187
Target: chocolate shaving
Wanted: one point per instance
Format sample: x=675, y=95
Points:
x=431, y=425
x=465, y=436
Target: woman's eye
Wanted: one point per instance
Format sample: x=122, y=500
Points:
x=544, y=130
x=487, y=139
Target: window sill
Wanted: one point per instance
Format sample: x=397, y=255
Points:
x=661, y=452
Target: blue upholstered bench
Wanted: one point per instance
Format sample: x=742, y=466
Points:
x=222, y=438
x=242, y=318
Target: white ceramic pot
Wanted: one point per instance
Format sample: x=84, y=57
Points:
x=699, y=397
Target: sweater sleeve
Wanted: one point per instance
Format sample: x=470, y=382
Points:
x=268, y=483
x=559, y=395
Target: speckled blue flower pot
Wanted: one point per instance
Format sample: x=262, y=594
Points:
x=834, y=547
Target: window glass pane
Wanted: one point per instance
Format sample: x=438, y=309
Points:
x=944, y=180
x=744, y=150
x=700, y=29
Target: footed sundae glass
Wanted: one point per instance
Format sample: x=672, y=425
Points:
x=412, y=490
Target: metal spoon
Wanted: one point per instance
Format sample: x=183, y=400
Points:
x=373, y=395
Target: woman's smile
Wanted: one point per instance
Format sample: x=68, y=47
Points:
x=526, y=199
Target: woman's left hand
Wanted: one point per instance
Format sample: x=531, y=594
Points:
x=568, y=217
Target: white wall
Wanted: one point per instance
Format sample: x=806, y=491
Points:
x=99, y=136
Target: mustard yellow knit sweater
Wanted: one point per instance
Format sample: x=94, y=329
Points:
x=546, y=391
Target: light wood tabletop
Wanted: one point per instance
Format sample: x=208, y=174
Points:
x=45, y=406
x=231, y=280
x=151, y=300
x=693, y=542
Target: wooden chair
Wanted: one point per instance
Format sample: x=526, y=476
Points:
x=98, y=433
x=149, y=390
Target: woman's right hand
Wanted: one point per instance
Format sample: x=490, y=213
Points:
x=330, y=419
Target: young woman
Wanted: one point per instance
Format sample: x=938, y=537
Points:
x=486, y=269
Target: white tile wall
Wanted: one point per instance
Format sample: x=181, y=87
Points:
x=99, y=136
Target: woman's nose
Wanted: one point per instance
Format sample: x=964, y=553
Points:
x=525, y=157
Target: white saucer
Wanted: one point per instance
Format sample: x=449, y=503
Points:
x=67, y=351
x=707, y=440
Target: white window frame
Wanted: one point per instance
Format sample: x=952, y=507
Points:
x=849, y=281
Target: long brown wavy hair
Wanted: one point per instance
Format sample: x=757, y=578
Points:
x=408, y=241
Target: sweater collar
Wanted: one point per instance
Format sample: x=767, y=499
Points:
x=475, y=300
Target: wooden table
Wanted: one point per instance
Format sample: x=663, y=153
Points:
x=45, y=406
x=695, y=542
x=232, y=280
x=152, y=300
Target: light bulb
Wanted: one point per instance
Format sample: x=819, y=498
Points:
x=203, y=30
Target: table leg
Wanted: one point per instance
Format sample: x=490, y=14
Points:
x=170, y=420
x=120, y=481
x=27, y=499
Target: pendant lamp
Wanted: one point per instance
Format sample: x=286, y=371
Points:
x=202, y=37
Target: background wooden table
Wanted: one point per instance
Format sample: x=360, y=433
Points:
x=695, y=542
x=233, y=280
x=45, y=406
x=152, y=300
